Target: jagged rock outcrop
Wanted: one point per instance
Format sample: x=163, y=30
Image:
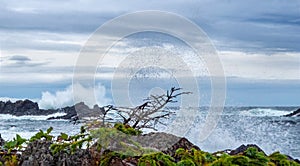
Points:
x=23, y=107
x=19, y=108
x=295, y=113
x=182, y=143
x=79, y=110
x=27, y=107
x=70, y=113
x=243, y=148
x=84, y=111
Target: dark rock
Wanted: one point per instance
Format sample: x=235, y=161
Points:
x=2, y=141
x=37, y=153
x=243, y=148
x=131, y=161
x=292, y=159
x=295, y=113
x=80, y=111
x=157, y=140
x=27, y=107
x=116, y=161
x=80, y=157
x=167, y=143
x=8, y=107
x=182, y=143
x=22, y=107
x=2, y=104
x=70, y=113
x=83, y=111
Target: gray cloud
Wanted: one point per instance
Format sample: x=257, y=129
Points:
x=240, y=25
x=56, y=28
x=20, y=61
x=243, y=25
x=19, y=58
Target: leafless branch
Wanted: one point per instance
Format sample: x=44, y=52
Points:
x=151, y=112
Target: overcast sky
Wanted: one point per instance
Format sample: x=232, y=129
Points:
x=40, y=41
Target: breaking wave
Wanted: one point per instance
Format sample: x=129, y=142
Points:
x=65, y=97
x=264, y=112
x=30, y=117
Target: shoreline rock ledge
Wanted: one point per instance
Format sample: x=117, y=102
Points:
x=294, y=114
x=38, y=153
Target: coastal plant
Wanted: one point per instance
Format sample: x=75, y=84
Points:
x=10, y=157
x=70, y=144
x=127, y=129
x=282, y=160
x=255, y=155
x=42, y=135
x=11, y=160
x=197, y=157
x=223, y=160
x=15, y=144
x=116, y=140
x=186, y=162
x=156, y=159
x=106, y=158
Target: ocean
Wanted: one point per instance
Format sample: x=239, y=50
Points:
x=263, y=126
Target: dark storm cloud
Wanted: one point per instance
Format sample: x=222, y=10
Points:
x=233, y=25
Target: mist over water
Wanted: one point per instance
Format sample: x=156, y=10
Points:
x=271, y=132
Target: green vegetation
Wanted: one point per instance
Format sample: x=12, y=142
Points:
x=127, y=129
x=15, y=144
x=70, y=144
x=196, y=157
x=42, y=135
x=115, y=136
x=154, y=159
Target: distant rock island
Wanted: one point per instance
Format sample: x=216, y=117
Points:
x=28, y=107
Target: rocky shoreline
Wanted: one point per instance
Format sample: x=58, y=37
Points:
x=28, y=107
x=166, y=149
x=38, y=153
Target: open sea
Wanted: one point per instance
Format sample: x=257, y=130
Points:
x=263, y=126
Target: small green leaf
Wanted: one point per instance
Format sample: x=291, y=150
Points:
x=49, y=130
x=64, y=136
